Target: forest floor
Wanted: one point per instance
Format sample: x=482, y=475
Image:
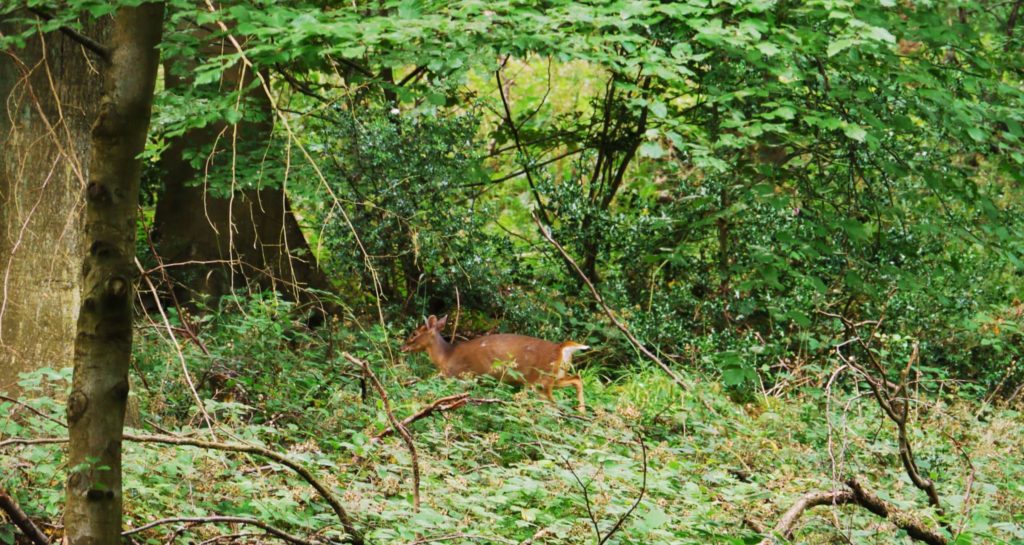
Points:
x=509, y=468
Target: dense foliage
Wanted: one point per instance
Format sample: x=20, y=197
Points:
x=745, y=182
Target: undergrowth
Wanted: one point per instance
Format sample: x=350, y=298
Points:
x=515, y=467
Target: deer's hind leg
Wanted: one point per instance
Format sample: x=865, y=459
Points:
x=576, y=382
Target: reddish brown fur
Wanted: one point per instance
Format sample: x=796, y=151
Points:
x=529, y=360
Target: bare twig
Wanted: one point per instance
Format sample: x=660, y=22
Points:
x=92, y=45
x=223, y=519
x=518, y=173
x=40, y=441
x=893, y=399
x=458, y=312
x=177, y=349
x=34, y=410
x=608, y=311
x=643, y=490
x=965, y=509
x=522, y=150
x=462, y=537
x=586, y=498
x=412, y=75
x=406, y=436
x=21, y=520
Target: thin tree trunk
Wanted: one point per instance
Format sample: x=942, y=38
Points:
x=99, y=395
x=48, y=101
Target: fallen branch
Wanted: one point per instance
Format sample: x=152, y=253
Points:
x=856, y=495
x=354, y=536
x=39, y=441
x=447, y=403
x=395, y=424
x=784, y=528
x=223, y=519
x=903, y=520
x=462, y=537
x=608, y=311
x=21, y=520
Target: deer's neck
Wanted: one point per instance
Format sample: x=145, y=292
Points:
x=440, y=352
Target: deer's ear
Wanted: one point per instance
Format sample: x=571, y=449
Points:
x=431, y=321
x=441, y=322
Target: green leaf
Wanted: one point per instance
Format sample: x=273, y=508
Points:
x=651, y=149
x=652, y=520
x=232, y=116
x=838, y=46
x=782, y=112
x=437, y=99
x=977, y=134
x=854, y=132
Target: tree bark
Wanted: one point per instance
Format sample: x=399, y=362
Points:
x=49, y=99
x=250, y=236
x=99, y=395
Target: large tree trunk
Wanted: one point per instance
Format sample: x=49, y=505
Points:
x=229, y=242
x=103, y=345
x=49, y=99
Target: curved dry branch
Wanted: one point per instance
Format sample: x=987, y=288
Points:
x=440, y=405
x=901, y=519
x=607, y=310
x=21, y=520
x=856, y=495
x=354, y=535
x=394, y=424
x=276, y=532
x=784, y=528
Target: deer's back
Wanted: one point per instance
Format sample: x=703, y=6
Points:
x=532, y=357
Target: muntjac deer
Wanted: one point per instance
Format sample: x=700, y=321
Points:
x=535, y=361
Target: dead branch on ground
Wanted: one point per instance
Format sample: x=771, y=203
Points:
x=220, y=520
x=354, y=535
x=440, y=405
x=856, y=495
x=406, y=436
x=21, y=520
